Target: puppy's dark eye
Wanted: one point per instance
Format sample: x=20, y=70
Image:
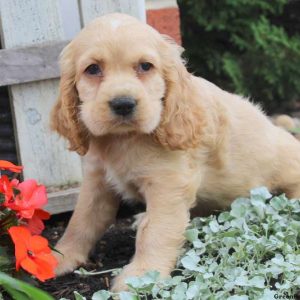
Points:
x=94, y=70
x=145, y=67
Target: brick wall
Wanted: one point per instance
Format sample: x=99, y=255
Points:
x=166, y=20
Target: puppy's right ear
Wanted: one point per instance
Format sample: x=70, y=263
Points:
x=65, y=117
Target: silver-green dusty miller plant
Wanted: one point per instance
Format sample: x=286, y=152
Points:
x=249, y=252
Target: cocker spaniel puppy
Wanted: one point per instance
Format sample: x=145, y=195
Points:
x=149, y=130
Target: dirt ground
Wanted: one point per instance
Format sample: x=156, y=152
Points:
x=114, y=250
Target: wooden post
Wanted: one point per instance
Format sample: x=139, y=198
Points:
x=43, y=155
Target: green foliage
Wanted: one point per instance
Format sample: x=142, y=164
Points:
x=7, y=219
x=249, y=252
x=20, y=290
x=251, y=47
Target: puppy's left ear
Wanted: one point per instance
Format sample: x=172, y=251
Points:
x=183, y=116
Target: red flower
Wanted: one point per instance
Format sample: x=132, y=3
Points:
x=32, y=253
x=35, y=224
x=6, y=187
x=6, y=165
x=32, y=196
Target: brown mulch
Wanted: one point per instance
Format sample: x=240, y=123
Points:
x=114, y=250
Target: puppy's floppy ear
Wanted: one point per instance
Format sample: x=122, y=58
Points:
x=183, y=115
x=65, y=114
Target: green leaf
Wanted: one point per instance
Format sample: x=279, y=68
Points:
x=278, y=203
x=214, y=226
x=193, y=290
x=78, y=296
x=268, y=294
x=165, y=294
x=150, y=277
x=257, y=281
x=179, y=291
x=237, y=297
x=285, y=286
x=101, y=295
x=260, y=192
x=5, y=260
x=229, y=242
x=190, y=261
x=127, y=296
x=242, y=281
x=192, y=234
x=198, y=245
x=224, y=216
x=134, y=282
x=278, y=260
x=239, y=208
x=176, y=280
x=20, y=290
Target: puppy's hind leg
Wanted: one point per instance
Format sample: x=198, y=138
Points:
x=287, y=171
x=293, y=191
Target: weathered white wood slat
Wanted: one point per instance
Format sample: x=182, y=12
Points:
x=21, y=65
x=69, y=11
x=91, y=9
x=62, y=201
x=45, y=157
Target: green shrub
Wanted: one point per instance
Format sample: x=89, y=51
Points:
x=250, y=47
x=249, y=252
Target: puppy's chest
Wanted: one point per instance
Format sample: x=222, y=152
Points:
x=122, y=183
x=126, y=162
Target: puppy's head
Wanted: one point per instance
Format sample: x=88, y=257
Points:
x=118, y=76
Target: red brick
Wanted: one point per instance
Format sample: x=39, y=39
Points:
x=166, y=21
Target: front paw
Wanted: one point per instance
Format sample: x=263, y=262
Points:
x=130, y=270
x=134, y=270
x=119, y=285
x=68, y=261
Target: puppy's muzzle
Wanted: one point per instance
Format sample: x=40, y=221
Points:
x=123, y=106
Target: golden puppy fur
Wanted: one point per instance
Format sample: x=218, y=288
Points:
x=188, y=143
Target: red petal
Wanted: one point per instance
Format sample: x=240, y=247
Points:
x=49, y=258
x=6, y=188
x=45, y=267
x=24, y=213
x=42, y=214
x=6, y=165
x=20, y=236
x=26, y=188
x=32, y=195
x=35, y=225
x=29, y=265
x=37, y=244
x=39, y=197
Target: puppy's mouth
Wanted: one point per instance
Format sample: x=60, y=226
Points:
x=124, y=124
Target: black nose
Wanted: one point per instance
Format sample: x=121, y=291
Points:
x=123, y=106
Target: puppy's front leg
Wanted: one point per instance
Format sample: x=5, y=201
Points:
x=95, y=211
x=160, y=234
